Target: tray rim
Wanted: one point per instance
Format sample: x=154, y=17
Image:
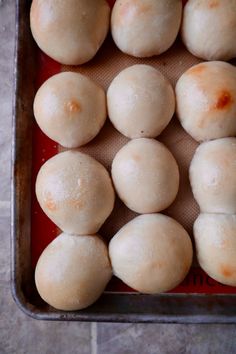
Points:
x=208, y=316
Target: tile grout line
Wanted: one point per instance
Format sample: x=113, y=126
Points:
x=94, y=338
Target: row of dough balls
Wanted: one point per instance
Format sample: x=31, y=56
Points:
x=152, y=254
x=71, y=109
x=212, y=177
x=75, y=191
x=73, y=31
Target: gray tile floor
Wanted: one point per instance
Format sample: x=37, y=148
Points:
x=21, y=334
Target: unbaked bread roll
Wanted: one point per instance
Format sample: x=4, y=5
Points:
x=73, y=271
x=152, y=253
x=209, y=28
x=140, y=102
x=70, y=31
x=145, y=175
x=213, y=176
x=206, y=100
x=70, y=109
x=75, y=192
x=144, y=28
x=216, y=246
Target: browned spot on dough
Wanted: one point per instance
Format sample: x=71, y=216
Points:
x=156, y=265
x=137, y=6
x=227, y=271
x=213, y=4
x=73, y=106
x=224, y=100
x=132, y=9
x=76, y=203
x=136, y=157
x=50, y=203
x=196, y=70
x=201, y=123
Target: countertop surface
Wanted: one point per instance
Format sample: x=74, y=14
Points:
x=21, y=334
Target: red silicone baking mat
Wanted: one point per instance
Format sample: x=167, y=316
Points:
x=102, y=69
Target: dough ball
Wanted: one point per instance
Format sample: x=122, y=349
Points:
x=216, y=246
x=144, y=28
x=206, y=100
x=141, y=102
x=145, y=175
x=70, y=31
x=213, y=176
x=70, y=109
x=152, y=253
x=209, y=28
x=75, y=192
x=73, y=271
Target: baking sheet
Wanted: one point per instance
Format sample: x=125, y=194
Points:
x=29, y=150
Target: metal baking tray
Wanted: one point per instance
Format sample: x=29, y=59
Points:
x=111, y=307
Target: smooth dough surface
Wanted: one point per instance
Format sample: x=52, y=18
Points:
x=70, y=109
x=151, y=254
x=75, y=191
x=213, y=175
x=140, y=101
x=73, y=271
x=206, y=100
x=70, y=31
x=145, y=175
x=143, y=28
x=216, y=246
x=209, y=28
